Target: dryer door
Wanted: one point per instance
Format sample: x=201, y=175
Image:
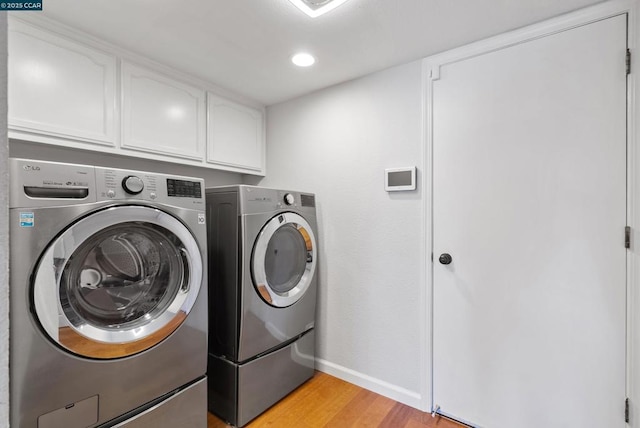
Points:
x=284, y=260
x=117, y=282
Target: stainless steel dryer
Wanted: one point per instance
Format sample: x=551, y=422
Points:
x=262, y=297
x=108, y=311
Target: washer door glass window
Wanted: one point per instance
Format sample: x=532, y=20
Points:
x=283, y=261
x=120, y=286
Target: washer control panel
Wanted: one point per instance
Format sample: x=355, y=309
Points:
x=119, y=184
x=38, y=183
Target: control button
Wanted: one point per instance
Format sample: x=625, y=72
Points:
x=289, y=199
x=132, y=184
x=111, y=193
x=153, y=195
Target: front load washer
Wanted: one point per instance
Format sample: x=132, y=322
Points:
x=108, y=308
x=262, y=297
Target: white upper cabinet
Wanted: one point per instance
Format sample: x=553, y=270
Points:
x=60, y=88
x=69, y=89
x=235, y=136
x=162, y=115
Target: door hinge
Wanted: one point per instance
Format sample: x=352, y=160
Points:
x=626, y=410
x=628, y=61
x=627, y=237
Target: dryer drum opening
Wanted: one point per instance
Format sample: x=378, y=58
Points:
x=286, y=258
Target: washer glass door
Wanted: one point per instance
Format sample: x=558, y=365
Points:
x=283, y=261
x=117, y=282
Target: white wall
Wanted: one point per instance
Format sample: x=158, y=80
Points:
x=337, y=143
x=29, y=150
x=4, y=231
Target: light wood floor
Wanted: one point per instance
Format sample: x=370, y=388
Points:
x=325, y=401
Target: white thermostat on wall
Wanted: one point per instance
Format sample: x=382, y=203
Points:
x=398, y=179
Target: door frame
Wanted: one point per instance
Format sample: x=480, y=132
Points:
x=430, y=72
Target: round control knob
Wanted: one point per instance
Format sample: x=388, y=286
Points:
x=289, y=199
x=132, y=184
x=445, y=258
x=111, y=193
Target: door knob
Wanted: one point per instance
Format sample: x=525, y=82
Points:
x=445, y=258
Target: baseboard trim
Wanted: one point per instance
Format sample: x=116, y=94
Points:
x=397, y=393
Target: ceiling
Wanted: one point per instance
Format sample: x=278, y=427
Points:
x=245, y=45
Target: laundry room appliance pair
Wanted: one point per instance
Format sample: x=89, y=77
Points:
x=262, y=297
x=108, y=323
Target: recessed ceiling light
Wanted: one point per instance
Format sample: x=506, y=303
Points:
x=303, y=59
x=315, y=8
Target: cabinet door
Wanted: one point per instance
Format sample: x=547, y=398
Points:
x=235, y=136
x=161, y=115
x=60, y=88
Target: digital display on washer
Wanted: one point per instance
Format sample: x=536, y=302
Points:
x=183, y=188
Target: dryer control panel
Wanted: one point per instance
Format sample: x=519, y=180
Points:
x=255, y=200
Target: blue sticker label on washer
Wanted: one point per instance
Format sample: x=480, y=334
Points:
x=26, y=219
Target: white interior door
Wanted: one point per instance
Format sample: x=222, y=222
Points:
x=529, y=170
